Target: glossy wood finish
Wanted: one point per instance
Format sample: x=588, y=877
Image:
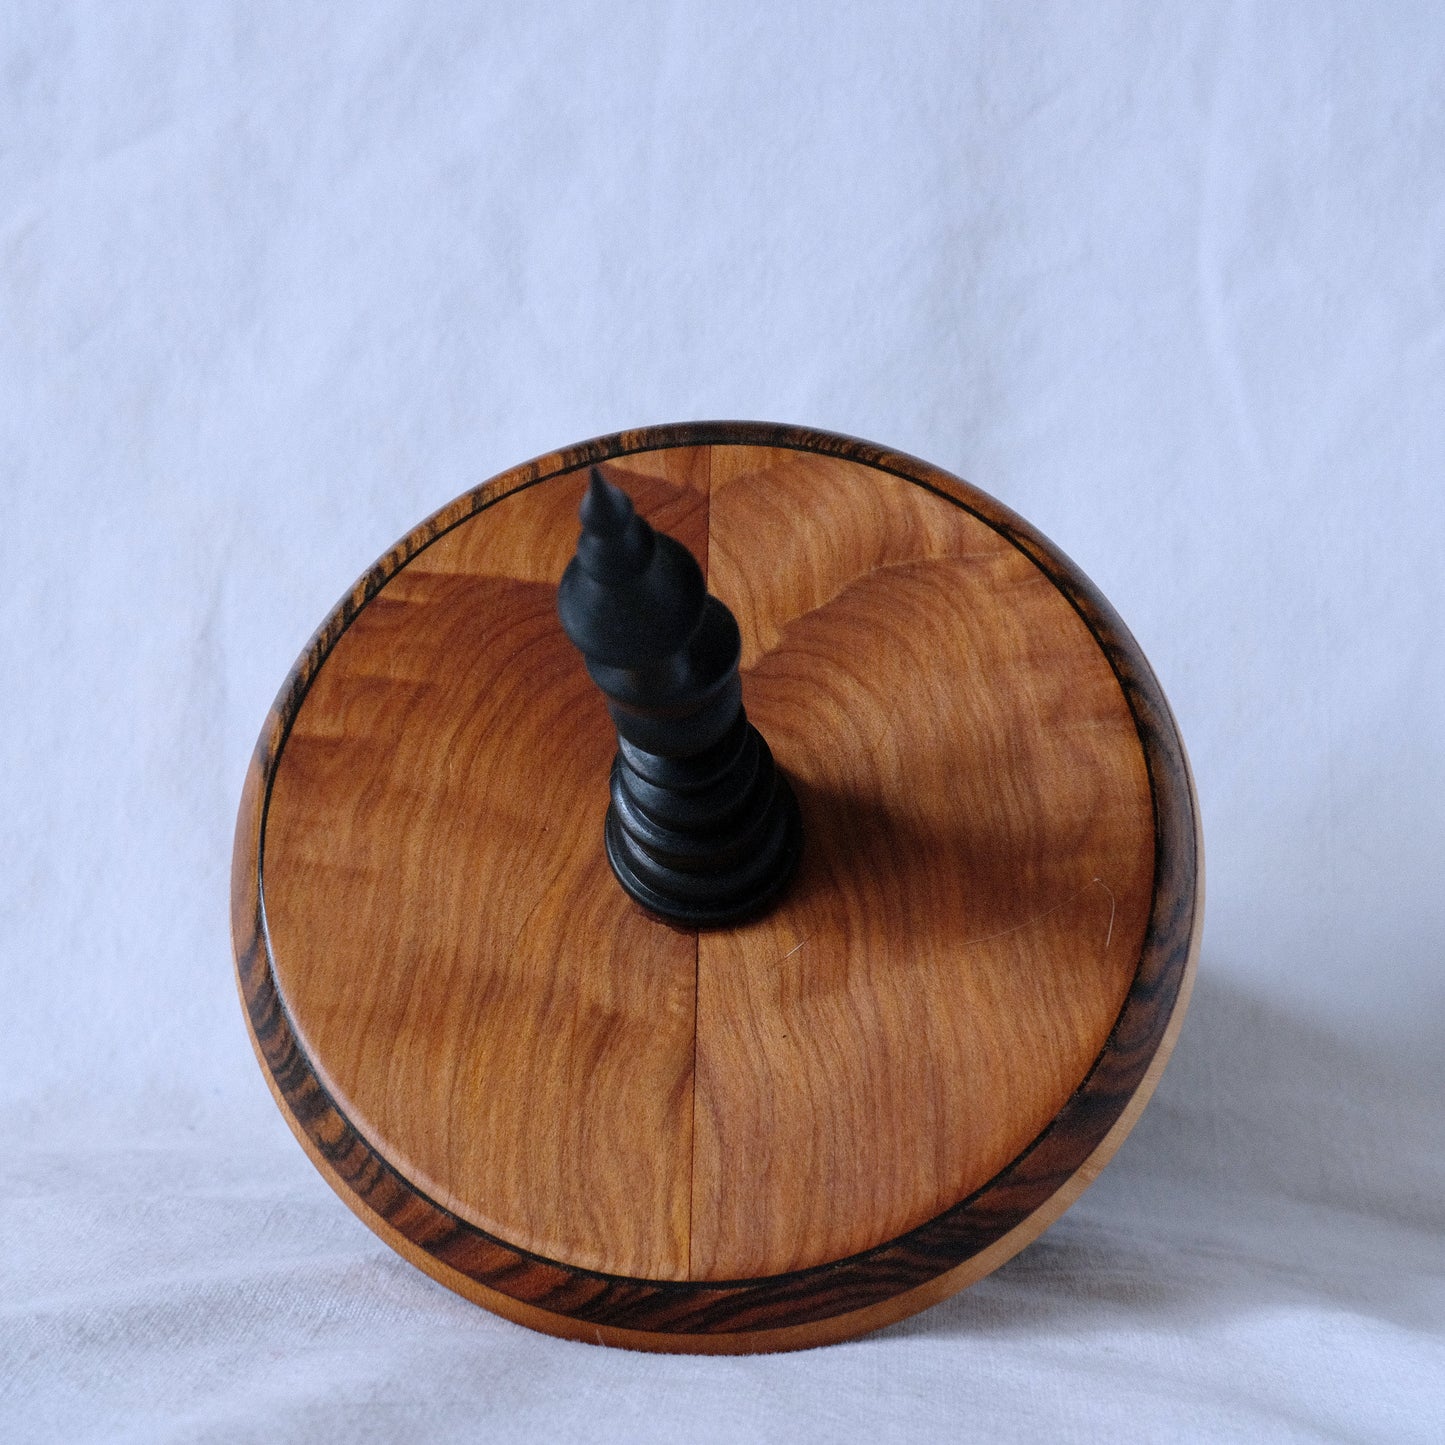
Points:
x=450, y=942
x=976, y=883
x=762, y=1137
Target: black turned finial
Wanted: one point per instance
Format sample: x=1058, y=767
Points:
x=703, y=829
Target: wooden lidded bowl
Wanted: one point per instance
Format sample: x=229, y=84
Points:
x=769, y=1136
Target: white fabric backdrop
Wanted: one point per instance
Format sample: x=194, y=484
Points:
x=277, y=280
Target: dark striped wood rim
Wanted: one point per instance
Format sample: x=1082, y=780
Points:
x=845, y=1286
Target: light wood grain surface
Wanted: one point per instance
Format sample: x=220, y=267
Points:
x=450, y=941
x=614, y=1129
x=980, y=854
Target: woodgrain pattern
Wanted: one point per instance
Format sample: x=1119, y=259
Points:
x=453, y=950
x=979, y=864
x=901, y=1076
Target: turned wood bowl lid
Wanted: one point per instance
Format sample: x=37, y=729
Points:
x=759, y=1137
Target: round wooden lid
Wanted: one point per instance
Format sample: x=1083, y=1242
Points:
x=762, y=1137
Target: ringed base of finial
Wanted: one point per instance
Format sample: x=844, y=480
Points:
x=671, y=894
